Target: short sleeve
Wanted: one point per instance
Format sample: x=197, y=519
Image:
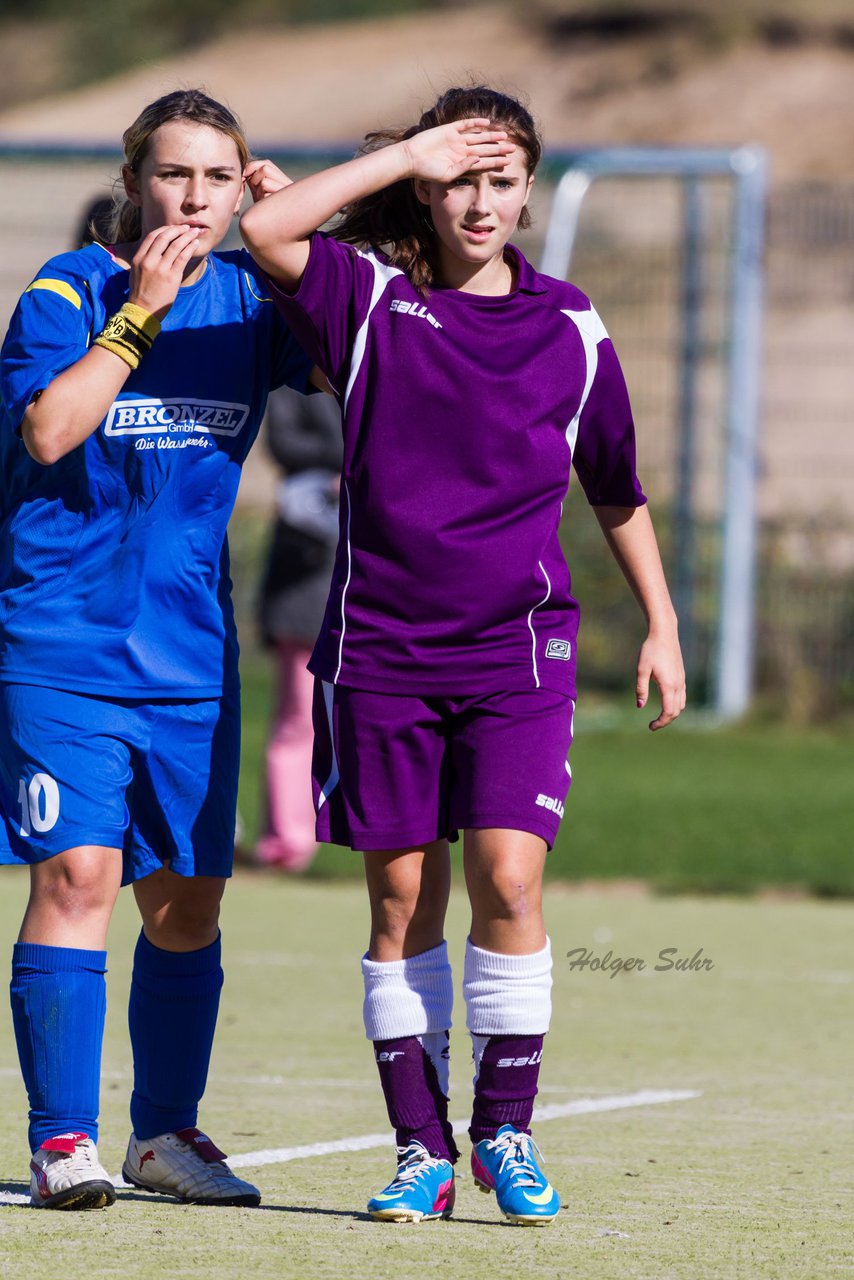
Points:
x=330, y=305
x=49, y=331
x=604, y=455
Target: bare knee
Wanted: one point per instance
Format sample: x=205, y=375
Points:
x=504, y=878
x=72, y=896
x=77, y=882
x=508, y=895
x=194, y=923
x=180, y=913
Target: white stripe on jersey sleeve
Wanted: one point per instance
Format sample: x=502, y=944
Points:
x=592, y=331
x=383, y=275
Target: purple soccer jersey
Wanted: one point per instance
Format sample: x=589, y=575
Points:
x=462, y=415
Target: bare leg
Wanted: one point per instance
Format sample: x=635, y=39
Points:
x=72, y=897
x=179, y=913
x=504, y=878
x=408, y=891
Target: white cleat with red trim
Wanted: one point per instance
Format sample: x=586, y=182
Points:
x=188, y=1166
x=65, y=1173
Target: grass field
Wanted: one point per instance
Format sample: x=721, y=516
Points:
x=749, y=1179
x=689, y=808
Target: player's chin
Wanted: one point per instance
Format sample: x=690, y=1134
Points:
x=210, y=239
x=477, y=253
x=206, y=242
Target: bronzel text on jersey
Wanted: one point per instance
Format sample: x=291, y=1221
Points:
x=147, y=417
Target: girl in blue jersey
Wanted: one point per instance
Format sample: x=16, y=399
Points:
x=134, y=377
x=446, y=665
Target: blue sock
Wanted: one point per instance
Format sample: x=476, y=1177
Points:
x=174, y=1000
x=59, y=999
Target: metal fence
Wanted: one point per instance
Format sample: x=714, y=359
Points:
x=630, y=258
x=660, y=273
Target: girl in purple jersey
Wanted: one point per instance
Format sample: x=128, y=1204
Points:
x=446, y=665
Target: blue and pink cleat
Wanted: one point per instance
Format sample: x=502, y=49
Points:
x=507, y=1165
x=421, y=1190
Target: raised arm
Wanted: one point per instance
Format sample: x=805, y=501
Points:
x=276, y=229
x=70, y=408
x=631, y=538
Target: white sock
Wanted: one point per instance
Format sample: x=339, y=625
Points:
x=412, y=997
x=507, y=995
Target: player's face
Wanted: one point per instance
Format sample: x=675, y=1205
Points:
x=476, y=215
x=191, y=176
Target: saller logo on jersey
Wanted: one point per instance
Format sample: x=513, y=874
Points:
x=414, y=309
x=551, y=803
x=175, y=417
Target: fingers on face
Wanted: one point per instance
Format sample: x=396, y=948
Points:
x=166, y=244
x=483, y=140
x=182, y=246
x=258, y=173
x=162, y=236
x=486, y=160
x=481, y=128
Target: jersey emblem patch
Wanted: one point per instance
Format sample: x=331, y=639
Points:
x=559, y=649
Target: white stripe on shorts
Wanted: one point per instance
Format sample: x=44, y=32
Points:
x=332, y=781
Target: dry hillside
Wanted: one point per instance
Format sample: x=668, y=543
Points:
x=658, y=83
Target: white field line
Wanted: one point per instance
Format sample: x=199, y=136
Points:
x=370, y=1141
x=556, y=1111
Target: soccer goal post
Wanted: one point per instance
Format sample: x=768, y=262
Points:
x=720, y=209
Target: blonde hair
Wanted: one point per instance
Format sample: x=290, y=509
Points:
x=182, y=104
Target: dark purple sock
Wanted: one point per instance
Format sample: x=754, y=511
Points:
x=417, y=1108
x=506, y=1085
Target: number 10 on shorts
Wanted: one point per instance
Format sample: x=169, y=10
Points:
x=39, y=803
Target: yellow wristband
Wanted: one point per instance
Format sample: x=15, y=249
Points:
x=143, y=319
x=129, y=333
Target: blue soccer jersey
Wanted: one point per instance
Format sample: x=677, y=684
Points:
x=114, y=571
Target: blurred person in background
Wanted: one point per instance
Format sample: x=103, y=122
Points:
x=304, y=437
x=95, y=223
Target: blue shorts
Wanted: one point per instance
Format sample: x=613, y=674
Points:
x=157, y=780
x=395, y=771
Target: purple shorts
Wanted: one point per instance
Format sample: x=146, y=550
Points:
x=397, y=771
